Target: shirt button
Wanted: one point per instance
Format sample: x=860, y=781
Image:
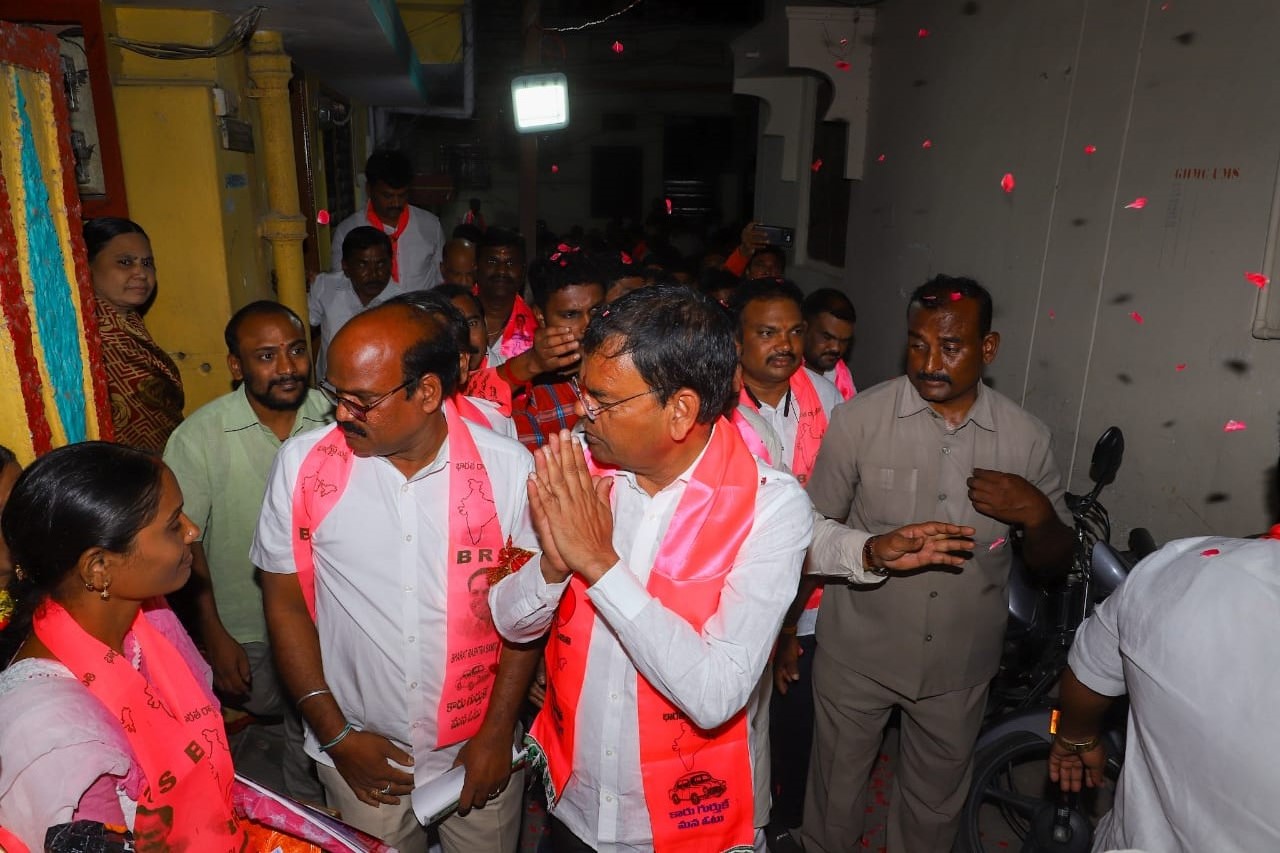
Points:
x=413, y=684
x=942, y=496
x=408, y=589
x=613, y=696
x=408, y=538
x=933, y=594
x=608, y=752
x=946, y=450
x=608, y=798
x=928, y=638
x=411, y=639
x=404, y=488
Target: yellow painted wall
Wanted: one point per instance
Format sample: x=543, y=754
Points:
x=200, y=204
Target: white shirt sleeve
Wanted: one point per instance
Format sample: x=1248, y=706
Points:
x=710, y=674
x=272, y=549
x=836, y=552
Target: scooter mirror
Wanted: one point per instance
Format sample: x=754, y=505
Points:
x=1107, y=454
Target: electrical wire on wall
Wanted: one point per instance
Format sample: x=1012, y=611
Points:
x=237, y=34
x=596, y=23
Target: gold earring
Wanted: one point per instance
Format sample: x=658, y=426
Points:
x=90, y=587
x=105, y=595
x=17, y=570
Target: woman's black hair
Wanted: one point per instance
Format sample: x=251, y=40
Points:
x=101, y=231
x=89, y=495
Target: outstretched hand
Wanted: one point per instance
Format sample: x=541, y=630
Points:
x=928, y=543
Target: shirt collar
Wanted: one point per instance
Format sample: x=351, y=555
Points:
x=911, y=403
x=240, y=415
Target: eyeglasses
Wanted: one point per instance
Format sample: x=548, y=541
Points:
x=594, y=411
x=360, y=411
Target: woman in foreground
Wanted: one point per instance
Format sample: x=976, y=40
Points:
x=108, y=711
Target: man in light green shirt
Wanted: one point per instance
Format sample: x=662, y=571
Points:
x=221, y=456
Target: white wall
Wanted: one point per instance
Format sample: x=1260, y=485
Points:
x=1022, y=87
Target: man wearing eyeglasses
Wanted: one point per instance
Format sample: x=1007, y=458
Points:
x=370, y=540
x=663, y=583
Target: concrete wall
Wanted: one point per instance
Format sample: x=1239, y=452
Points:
x=1182, y=103
x=200, y=204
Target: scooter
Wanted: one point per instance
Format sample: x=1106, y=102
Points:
x=1018, y=730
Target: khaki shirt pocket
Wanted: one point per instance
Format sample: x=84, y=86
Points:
x=886, y=497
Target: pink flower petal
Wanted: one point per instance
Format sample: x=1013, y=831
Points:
x=1257, y=279
x=928, y=143
x=670, y=206
x=1234, y=426
x=555, y=169
x=1210, y=552
x=843, y=41
x=880, y=159
x=817, y=164
x=322, y=217
x=1136, y=317
x=617, y=47
x=1007, y=182
x=996, y=544
x=1137, y=204
x=1052, y=314
x=956, y=296
x=922, y=33
x=1180, y=367
x=842, y=65
x=1090, y=149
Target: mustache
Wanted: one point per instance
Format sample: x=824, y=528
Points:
x=283, y=379
x=933, y=377
x=789, y=356
x=352, y=429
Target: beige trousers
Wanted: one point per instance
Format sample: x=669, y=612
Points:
x=492, y=829
x=931, y=777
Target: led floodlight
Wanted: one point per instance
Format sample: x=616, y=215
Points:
x=540, y=102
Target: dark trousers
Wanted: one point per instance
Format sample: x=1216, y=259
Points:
x=564, y=841
x=790, y=737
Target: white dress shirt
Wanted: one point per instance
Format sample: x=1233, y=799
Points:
x=1192, y=639
x=784, y=419
x=498, y=422
x=331, y=302
x=709, y=675
x=381, y=583
x=417, y=249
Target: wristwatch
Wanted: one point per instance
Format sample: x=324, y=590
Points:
x=867, y=555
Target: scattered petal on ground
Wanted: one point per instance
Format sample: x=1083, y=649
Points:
x=322, y=217
x=1234, y=426
x=817, y=164
x=1210, y=552
x=922, y=33
x=842, y=65
x=928, y=143
x=1257, y=279
x=1007, y=182
x=1137, y=204
x=1181, y=366
x=1136, y=317
x=1090, y=149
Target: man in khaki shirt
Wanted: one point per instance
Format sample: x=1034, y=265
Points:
x=933, y=444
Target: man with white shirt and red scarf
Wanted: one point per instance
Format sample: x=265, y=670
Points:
x=796, y=402
x=370, y=539
x=415, y=234
x=663, y=581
